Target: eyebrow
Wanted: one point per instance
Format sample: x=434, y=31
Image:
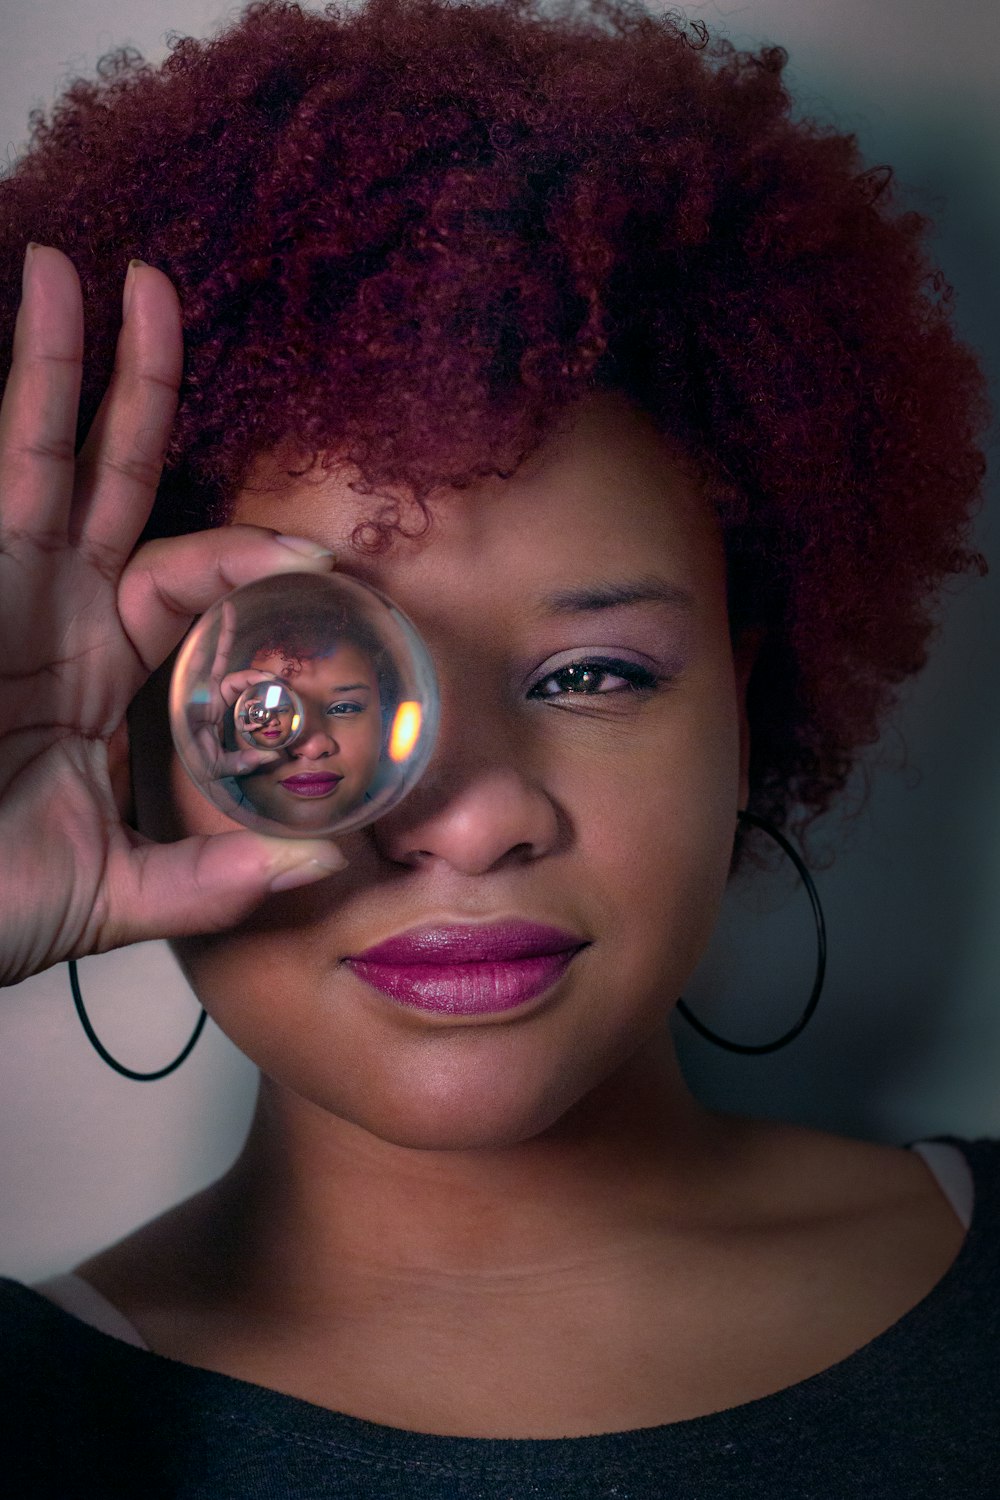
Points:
x=615, y=595
x=351, y=687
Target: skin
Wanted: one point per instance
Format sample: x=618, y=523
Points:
x=513, y=1225
x=539, y=1194
x=341, y=734
x=88, y=614
x=271, y=731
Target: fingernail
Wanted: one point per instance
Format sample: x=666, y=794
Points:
x=308, y=871
x=127, y=289
x=302, y=546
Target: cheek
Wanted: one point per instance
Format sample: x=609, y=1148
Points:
x=657, y=837
x=360, y=742
x=653, y=819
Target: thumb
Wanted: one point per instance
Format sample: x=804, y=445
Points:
x=207, y=882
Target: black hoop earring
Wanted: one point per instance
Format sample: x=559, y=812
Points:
x=813, y=1001
x=102, y=1051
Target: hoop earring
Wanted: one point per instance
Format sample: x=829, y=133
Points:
x=102, y=1051
x=720, y=1041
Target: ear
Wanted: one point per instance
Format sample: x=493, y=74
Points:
x=745, y=652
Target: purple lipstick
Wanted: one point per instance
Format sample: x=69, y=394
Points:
x=464, y=970
x=312, y=784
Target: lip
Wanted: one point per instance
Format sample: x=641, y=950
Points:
x=466, y=970
x=312, y=784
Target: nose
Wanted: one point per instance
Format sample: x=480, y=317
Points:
x=317, y=739
x=478, y=805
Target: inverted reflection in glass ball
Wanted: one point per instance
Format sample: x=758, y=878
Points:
x=303, y=705
x=268, y=715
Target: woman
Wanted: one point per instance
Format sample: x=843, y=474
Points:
x=637, y=397
x=322, y=749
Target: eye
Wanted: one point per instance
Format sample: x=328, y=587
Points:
x=345, y=707
x=255, y=712
x=595, y=677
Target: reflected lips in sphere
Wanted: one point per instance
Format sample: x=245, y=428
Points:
x=311, y=786
x=304, y=706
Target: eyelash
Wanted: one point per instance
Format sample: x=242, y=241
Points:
x=637, y=679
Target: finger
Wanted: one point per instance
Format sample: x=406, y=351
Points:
x=244, y=762
x=170, y=581
x=202, y=648
x=236, y=683
x=38, y=414
x=219, y=762
x=206, y=883
x=224, y=647
x=119, y=466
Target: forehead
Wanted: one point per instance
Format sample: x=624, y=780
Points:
x=607, y=495
x=343, y=667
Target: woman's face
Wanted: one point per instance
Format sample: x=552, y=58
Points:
x=587, y=775
x=326, y=771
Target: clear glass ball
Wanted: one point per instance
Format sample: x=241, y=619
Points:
x=304, y=705
x=268, y=715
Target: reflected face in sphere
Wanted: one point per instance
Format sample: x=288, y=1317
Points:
x=264, y=727
x=330, y=765
x=583, y=791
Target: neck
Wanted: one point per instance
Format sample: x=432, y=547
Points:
x=314, y=1199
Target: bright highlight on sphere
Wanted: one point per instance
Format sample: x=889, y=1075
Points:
x=303, y=705
x=405, y=731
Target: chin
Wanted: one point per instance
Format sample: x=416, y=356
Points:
x=463, y=1131
x=454, y=1117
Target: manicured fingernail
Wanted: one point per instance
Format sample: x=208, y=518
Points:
x=303, y=546
x=127, y=289
x=309, y=870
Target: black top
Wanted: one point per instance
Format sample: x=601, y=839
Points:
x=914, y=1413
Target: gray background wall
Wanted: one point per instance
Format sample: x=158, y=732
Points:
x=907, y=1041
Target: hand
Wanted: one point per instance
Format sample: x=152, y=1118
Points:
x=84, y=619
x=206, y=720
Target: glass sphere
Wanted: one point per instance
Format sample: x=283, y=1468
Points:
x=268, y=715
x=303, y=705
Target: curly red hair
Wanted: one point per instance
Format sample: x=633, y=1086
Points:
x=411, y=234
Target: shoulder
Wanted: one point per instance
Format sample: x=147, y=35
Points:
x=45, y=1352
x=885, y=1224
x=86, y=1414
x=59, y=1380
x=815, y=1172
